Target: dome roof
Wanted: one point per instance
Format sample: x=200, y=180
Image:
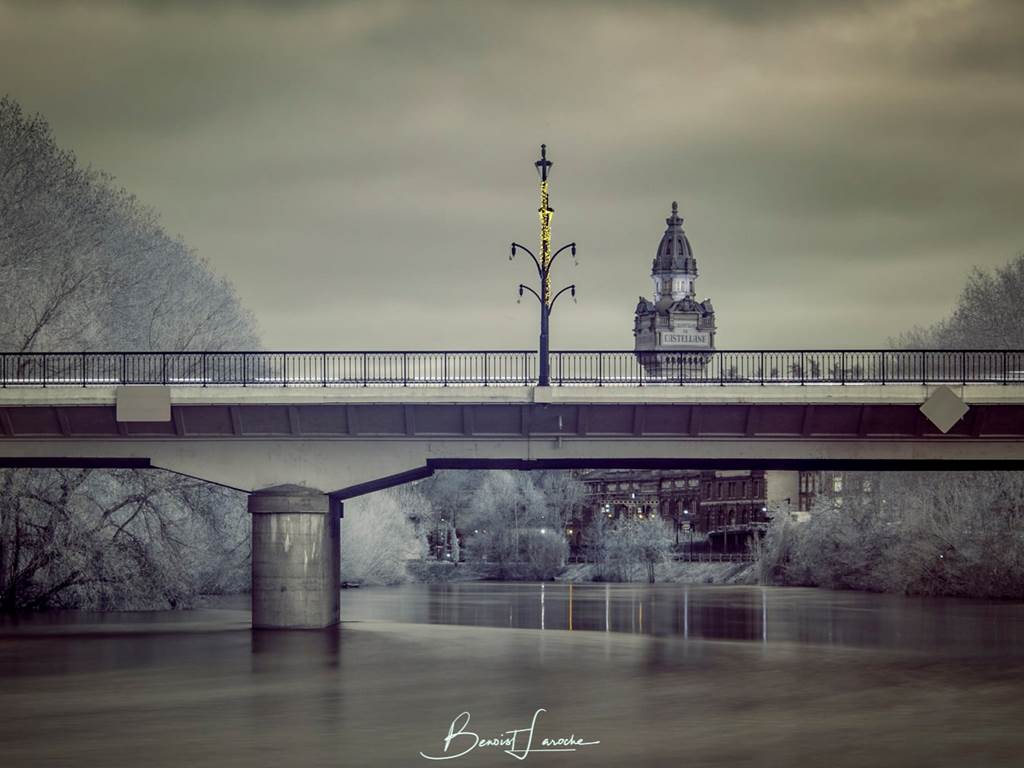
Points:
x=674, y=251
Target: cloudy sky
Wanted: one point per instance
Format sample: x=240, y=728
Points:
x=358, y=169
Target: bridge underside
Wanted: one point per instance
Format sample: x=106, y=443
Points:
x=351, y=448
x=300, y=453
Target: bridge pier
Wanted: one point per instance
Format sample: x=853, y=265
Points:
x=296, y=558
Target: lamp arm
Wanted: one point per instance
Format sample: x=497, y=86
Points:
x=528, y=288
x=567, y=288
x=540, y=270
x=555, y=255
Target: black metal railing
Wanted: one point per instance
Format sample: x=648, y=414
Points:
x=510, y=368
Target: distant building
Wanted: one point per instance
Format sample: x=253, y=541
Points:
x=671, y=331
x=722, y=509
x=706, y=504
x=836, y=488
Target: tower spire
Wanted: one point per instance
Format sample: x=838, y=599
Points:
x=675, y=221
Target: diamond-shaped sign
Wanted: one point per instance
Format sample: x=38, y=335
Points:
x=944, y=408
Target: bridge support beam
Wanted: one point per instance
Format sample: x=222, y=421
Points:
x=296, y=558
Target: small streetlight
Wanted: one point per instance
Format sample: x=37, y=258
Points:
x=544, y=264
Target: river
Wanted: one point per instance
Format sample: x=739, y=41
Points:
x=661, y=675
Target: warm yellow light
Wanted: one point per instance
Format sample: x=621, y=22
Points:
x=545, y=237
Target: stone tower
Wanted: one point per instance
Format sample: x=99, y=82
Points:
x=672, y=331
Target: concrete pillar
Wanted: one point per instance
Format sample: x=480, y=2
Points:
x=296, y=558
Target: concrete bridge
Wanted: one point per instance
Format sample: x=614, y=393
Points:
x=301, y=441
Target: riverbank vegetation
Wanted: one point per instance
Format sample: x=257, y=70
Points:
x=920, y=533
x=85, y=265
x=927, y=533
x=497, y=525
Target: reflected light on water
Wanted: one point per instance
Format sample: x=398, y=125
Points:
x=661, y=675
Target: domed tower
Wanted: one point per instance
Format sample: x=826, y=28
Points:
x=671, y=331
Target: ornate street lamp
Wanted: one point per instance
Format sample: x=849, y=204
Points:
x=544, y=264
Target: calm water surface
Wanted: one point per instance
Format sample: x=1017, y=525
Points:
x=664, y=675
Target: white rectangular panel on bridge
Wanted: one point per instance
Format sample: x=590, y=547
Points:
x=143, y=403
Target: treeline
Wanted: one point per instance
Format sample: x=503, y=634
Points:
x=919, y=533
x=497, y=524
x=512, y=525
x=84, y=265
x=924, y=533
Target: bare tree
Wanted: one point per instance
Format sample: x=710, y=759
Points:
x=628, y=548
x=379, y=536
x=84, y=265
x=951, y=533
x=988, y=315
x=118, y=539
x=511, y=527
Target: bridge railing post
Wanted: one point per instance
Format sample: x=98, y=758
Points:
x=1005, y=371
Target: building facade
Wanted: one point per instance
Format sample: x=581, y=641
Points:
x=836, y=489
x=673, y=334
x=671, y=331
x=691, y=503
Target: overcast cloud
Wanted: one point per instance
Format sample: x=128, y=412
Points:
x=358, y=169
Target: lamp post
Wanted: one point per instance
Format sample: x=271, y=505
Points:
x=544, y=264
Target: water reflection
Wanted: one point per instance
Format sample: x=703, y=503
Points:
x=753, y=614
x=803, y=677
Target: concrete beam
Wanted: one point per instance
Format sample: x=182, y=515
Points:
x=251, y=464
x=893, y=394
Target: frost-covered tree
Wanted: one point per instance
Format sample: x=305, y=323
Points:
x=949, y=533
x=628, y=548
x=84, y=265
x=989, y=314
x=379, y=536
x=924, y=533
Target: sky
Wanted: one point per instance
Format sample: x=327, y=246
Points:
x=358, y=169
